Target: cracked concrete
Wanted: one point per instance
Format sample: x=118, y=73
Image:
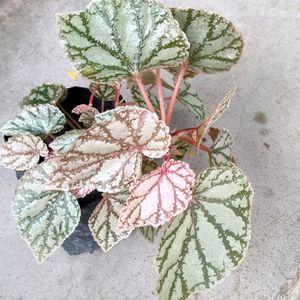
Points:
x=264, y=119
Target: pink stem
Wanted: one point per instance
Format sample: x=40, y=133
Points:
x=160, y=96
x=188, y=130
x=93, y=94
x=117, y=95
x=183, y=68
x=144, y=93
x=190, y=141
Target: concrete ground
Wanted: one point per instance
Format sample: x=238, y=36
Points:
x=264, y=119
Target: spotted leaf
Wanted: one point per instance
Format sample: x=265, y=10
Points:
x=207, y=241
x=21, y=152
x=149, y=232
x=114, y=39
x=159, y=196
x=63, y=143
x=215, y=43
x=191, y=100
x=104, y=220
x=45, y=218
x=36, y=119
x=108, y=155
x=220, y=151
x=46, y=93
x=213, y=117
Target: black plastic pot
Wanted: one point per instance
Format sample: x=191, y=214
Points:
x=81, y=240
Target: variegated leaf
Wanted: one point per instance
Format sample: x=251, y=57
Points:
x=104, y=220
x=114, y=39
x=148, y=165
x=46, y=93
x=105, y=92
x=23, y=151
x=36, y=119
x=150, y=232
x=139, y=100
x=63, y=143
x=45, y=218
x=88, y=117
x=214, y=116
x=181, y=148
x=82, y=192
x=215, y=43
x=220, y=151
x=206, y=242
x=191, y=101
x=159, y=196
x=109, y=155
x=104, y=116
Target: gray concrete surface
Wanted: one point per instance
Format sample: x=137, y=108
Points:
x=264, y=119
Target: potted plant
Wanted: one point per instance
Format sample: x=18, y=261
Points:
x=125, y=152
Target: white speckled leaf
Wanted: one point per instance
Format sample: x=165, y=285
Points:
x=116, y=39
x=214, y=116
x=36, y=119
x=63, y=143
x=206, y=242
x=215, y=43
x=220, y=151
x=158, y=196
x=150, y=232
x=109, y=155
x=105, y=92
x=23, y=151
x=191, y=100
x=45, y=218
x=104, y=220
x=46, y=93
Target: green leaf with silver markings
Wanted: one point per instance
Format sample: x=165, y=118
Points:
x=191, y=100
x=45, y=218
x=207, y=241
x=148, y=165
x=63, y=143
x=116, y=39
x=150, y=232
x=104, y=92
x=139, y=100
x=38, y=119
x=104, y=220
x=182, y=148
x=46, y=93
x=215, y=43
x=220, y=152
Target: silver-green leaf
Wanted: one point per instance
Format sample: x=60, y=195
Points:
x=104, y=220
x=116, y=39
x=45, y=93
x=220, y=152
x=104, y=92
x=63, y=143
x=36, y=119
x=45, y=218
x=206, y=242
x=149, y=232
x=191, y=100
x=215, y=43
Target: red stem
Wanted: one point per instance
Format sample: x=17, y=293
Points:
x=183, y=68
x=192, y=142
x=144, y=93
x=117, y=95
x=160, y=96
x=183, y=130
x=93, y=94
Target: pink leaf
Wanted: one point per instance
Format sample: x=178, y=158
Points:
x=159, y=196
x=79, y=109
x=82, y=192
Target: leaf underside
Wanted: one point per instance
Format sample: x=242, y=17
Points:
x=45, y=218
x=114, y=39
x=215, y=43
x=38, y=119
x=206, y=242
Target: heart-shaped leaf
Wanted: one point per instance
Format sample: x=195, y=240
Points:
x=150, y=232
x=159, y=196
x=109, y=155
x=104, y=92
x=114, y=39
x=202, y=245
x=220, y=151
x=36, y=119
x=214, y=116
x=104, y=220
x=191, y=101
x=23, y=151
x=46, y=93
x=215, y=44
x=45, y=218
x=88, y=117
x=63, y=143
